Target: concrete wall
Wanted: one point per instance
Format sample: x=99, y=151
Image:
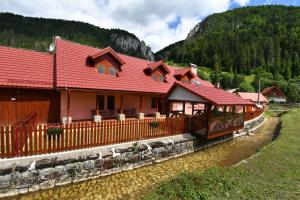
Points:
x=22, y=175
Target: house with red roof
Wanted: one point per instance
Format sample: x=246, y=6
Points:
x=274, y=94
x=77, y=83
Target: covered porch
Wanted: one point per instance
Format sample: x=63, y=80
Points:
x=79, y=105
x=213, y=112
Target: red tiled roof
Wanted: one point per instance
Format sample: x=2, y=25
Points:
x=252, y=96
x=25, y=68
x=73, y=72
x=212, y=95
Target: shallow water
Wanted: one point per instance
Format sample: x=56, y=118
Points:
x=136, y=183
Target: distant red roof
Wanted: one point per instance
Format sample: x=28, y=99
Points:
x=252, y=96
x=213, y=95
x=273, y=91
x=25, y=68
x=73, y=71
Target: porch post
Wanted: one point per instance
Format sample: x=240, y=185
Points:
x=193, y=108
x=208, y=115
x=244, y=112
x=121, y=105
x=68, y=105
x=183, y=105
x=156, y=104
x=141, y=103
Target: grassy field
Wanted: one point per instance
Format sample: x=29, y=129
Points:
x=273, y=173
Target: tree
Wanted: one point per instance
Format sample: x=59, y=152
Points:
x=293, y=92
x=246, y=87
x=227, y=80
x=216, y=75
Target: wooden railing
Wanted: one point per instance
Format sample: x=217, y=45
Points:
x=43, y=139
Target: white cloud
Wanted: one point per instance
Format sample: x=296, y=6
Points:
x=146, y=19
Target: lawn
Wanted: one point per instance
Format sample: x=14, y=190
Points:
x=273, y=173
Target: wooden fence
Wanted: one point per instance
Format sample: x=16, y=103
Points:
x=253, y=114
x=42, y=139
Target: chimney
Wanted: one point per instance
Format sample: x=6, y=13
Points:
x=217, y=85
x=193, y=68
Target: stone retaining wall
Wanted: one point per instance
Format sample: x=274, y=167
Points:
x=22, y=175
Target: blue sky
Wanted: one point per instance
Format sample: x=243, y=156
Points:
x=157, y=22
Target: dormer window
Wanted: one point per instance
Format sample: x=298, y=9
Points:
x=157, y=71
x=184, y=75
x=106, y=62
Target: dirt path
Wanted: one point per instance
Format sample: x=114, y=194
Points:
x=136, y=183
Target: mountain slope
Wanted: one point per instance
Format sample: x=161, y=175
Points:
x=38, y=33
x=244, y=39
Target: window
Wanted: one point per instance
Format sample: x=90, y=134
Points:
x=161, y=78
x=153, y=102
x=158, y=77
x=110, y=102
x=100, y=102
x=101, y=69
x=112, y=71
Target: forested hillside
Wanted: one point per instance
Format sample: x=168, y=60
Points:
x=262, y=40
x=38, y=33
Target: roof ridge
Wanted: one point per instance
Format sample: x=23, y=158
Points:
x=23, y=49
x=104, y=48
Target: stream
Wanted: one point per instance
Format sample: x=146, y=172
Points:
x=136, y=183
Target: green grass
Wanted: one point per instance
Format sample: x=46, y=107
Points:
x=274, y=173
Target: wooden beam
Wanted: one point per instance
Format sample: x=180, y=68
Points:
x=183, y=106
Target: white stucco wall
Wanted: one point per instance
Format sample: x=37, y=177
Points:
x=182, y=94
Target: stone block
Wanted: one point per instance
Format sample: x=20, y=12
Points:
x=107, y=153
x=5, y=170
x=89, y=164
x=47, y=184
x=97, y=118
x=45, y=163
x=108, y=163
x=156, y=144
x=140, y=115
x=121, y=117
x=49, y=174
